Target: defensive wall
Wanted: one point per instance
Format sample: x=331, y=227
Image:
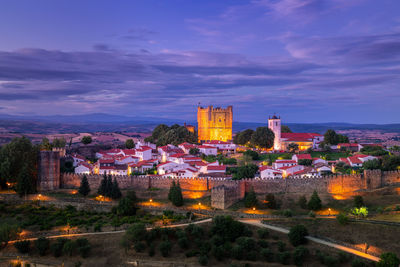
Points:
x=334, y=184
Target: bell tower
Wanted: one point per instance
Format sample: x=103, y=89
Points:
x=274, y=124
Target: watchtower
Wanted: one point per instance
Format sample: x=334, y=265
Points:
x=214, y=123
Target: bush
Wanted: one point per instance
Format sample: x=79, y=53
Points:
x=84, y=247
x=388, y=259
x=69, y=247
x=218, y=252
x=360, y=212
x=358, y=201
x=297, y=235
x=342, y=219
x=287, y=213
x=203, y=260
x=311, y=214
x=139, y=246
x=57, y=248
x=263, y=233
x=303, y=202
x=42, y=245
x=267, y=254
x=263, y=243
x=136, y=232
x=97, y=227
x=23, y=246
x=152, y=250
x=315, y=202
x=271, y=202
x=299, y=255
x=250, y=199
x=183, y=242
x=358, y=263
x=165, y=248
x=281, y=246
x=284, y=257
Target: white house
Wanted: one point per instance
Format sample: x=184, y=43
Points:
x=144, y=153
x=216, y=169
x=186, y=147
x=290, y=170
x=297, y=157
x=184, y=173
x=222, y=146
x=279, y=163
x=208, y=150
x=169, y=166
x=268, y=172
x=127, y=160
x=84, y=168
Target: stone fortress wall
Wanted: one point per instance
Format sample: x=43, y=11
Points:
x=226, y=192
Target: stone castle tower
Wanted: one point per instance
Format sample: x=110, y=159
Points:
x=274, y=124
x=214, y=123
x=49, y=170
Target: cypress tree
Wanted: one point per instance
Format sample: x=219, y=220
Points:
x=102, y=188
x=109, y=186
x=171, y=190
x=315, y=202
x=84, y=188
x=177, y=198
x=115, y=191
x=250, y=200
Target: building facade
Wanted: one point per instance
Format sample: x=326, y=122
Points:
x=214, y=123
x=274, y=124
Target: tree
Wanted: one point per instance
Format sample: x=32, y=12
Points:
x=315, y=202
x=373, y=164
x=42, y=245
x=374, y=151
x=24, y=183
x=7, y=233
x=103, y=184
x=388, y=259
x=194, y=151
x=243, y=138
x=293, y=147
x=115, y=191
x=297, y=235
x=247, y=171
x=129, y=144
x=332, y=138
x=303, y=202
x=299, y=255
x=127, y=205
x=253, y=154
x=263, y=137
x=165, y=248
x=342, y=219
x=285, y=129
x=250, y=199
x=271, y=202
x=86, y=140
x=23, y=246
x=84, y=188
x=45, y=145
x=69, y=247
x=175, y=194
x=59, y=142
x=358, y=201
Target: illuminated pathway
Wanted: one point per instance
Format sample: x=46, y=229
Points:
x=314, y=239
x=111, y=232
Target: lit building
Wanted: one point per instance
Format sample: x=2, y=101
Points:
x=214, y=123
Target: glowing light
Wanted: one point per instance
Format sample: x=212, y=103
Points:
x=254, y=208
x=151, y=200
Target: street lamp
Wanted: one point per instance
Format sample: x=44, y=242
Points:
x=199, y=205
x=329, y=211
x=254, y=208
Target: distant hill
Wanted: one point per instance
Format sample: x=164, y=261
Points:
x=99, y=122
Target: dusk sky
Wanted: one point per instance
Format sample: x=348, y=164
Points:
x=306, y=60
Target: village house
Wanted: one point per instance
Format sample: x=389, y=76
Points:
x=208, y=150
x=84, y=168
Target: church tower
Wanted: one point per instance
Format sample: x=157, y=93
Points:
x=274, y=124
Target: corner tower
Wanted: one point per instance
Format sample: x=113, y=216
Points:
x=214, y=123
x=274, y=124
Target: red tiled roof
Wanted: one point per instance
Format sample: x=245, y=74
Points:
x=77, y=156
x=143, y=148
x=164, y=163
x=198, y=163
x=106, y=161
x=347, y=145
x=107, y=167
x=285, y=161
x=262, y=168
x=303, y=156
x=177, y=155
x=216, y=168
x=354, y=160
x=287, y=167
x=129, y=151
x=207, y=147
x=87, y=165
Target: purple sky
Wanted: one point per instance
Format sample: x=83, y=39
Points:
x=307, y=60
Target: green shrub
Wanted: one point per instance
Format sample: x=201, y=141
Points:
x=250, y=199
x=218, y=252
x=358, y=201
x=237, y=252
x=42, y=245
x=136, y=232
x=23, y=246
x=342, y=219
x=152, y=250
x=165, y=248
x=299, y=255
x=203, y=260
x=84, y=247
x=358, y=263
x=139, y=246
x=281, y=246
x=183, y=242
x=287, y=213
x=388, y=259
x=69, y=247
x=284, y=257
x=315, y=202
x=97, y=227
x=311, y=214
x=263, y=233
x=57, y=248
x=192, y=253
x=343, y=257
x=297, y=235
x=267, y=254
x=263, y=243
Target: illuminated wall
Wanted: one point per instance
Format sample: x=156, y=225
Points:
x=214, y=123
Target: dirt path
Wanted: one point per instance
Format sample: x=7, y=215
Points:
x=110, y=232
x=314, y=239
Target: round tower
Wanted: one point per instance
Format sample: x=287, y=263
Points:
x=274, y=124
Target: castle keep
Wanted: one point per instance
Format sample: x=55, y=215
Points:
x=214, y=123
